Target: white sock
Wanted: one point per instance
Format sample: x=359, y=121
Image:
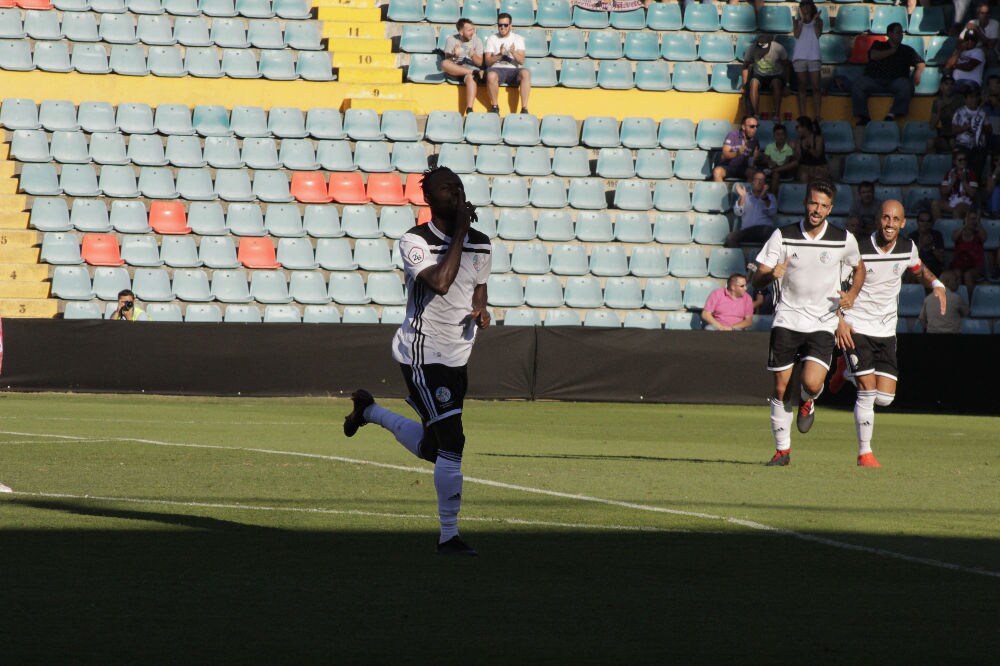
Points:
x=806, y=395
x=864, y=420
x=407, y=431
x=448, y=484
x=781, y=424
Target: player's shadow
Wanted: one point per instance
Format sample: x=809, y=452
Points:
x=624, y=458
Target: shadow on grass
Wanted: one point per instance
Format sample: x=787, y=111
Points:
x=232, y=592
x=595, y=456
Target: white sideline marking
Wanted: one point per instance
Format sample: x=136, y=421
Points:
x=753, y=525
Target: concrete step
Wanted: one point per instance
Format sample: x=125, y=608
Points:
x=342, y=13
x=16, y=238
x=21, y=289
x=358, y=59
x=360, y=44
x=355, y=30
x=29, y=307
x=12, y=272
x=13, y=203
x=20, y=255
x=367, y=74
x=14, y=221
x=343, y=3
x=380, y=104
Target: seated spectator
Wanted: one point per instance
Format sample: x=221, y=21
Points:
x=504, y=58
x=955, y=311
x=966, y=64
x=810, y=151
x=929, y=242
x=729, y=308
x=958, y=189
x=971, y=130
x=987, y=31
x=888, y=71
x=779, y=158
x=765, y=67
x=991, y=196
x=758, y=209
x=739, y=153
x=807, y=26
x=969, y=257
x=127, y=310
x=865, y=210
x=947, y=102
x=463, y=56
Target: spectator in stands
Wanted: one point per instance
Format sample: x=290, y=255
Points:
x=971, y=130
x=127, y=310
x=991, y=196
x=987, y=31
x=765, y=67
x=758, y=209
x=888, y=71
x=956, y=309
x=865, y=210
x=810, y=151
x=966, y=64
x=504, y=57
x=739, y=153
x=960, y=16
x=958, y=189
x=992, y=109
x=947, y=102
x=807, y=26
x=969, y=256
x=463, y=58
x=779, y=158
x=929, y=242
x=729, y=308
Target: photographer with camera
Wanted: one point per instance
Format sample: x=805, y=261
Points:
x=127, y=310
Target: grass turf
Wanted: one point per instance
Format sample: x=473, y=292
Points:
x=220, y=553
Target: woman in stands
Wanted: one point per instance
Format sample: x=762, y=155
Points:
x=807, y=27
x=810, y=151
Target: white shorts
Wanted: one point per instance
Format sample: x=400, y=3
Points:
x=805, y=65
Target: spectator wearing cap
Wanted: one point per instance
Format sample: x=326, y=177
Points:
x=765, y=66
x=888, y=71
x=966, y=63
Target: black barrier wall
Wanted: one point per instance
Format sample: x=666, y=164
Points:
x=938, y=373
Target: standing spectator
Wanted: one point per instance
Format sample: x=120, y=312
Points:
x=504, y=56
x=865, y=210
x=463, y=57
x=765, y=67
x=929, y=242
x=958, y=188
x=739, y=153
x=729, y=308
x=969, y=256
x=810, y=151
x=956, y=309
x=961, y=15
x=888, y=71
x=971, y=130
x=757, y=208
x=807, y=26
x=943, y=108
x=966, y=64
x=779, y=158
x=987, y=31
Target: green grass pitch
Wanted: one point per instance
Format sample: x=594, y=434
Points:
x=167, y=530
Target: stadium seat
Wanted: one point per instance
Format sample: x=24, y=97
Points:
x=482, y=128
x=738, y=18
x=608, y=261
x=615, y=75
x=242, y=314
x=444, y=127
x=533, y=161
x=882, y=17
x=832, y=49
x=477, y=189
x=853, y=19
x=559, y=131
x=939, y=49
x=72, y=283
x=211, y=121
x=602, y=319
x=986, y=301
x=60, y=249
x=600, y=132
x=385, y=189
x=15, y=55
x=501, y=257
x=172, y=119
x=459, y=157
x=716, y=48
x=690, y=77
x=653, y=76
x=671, y=196
x=145, y=150
x=615, y=163
x=18, y=114
x=562, y=318
x=933, y=169
x=369, y=156
x=571, y=162
x=701, y=18
x=261, y=153
x=587, y=194
x=696, y=292
x=222, y=152
x=710, y=229
x=727, y=79
x=632, y=195
x=425, y=68
x=522, y=316
x=569, y=259
x=39, y=180
x=101, y=250
x=567, y=44
x=334, y=254
x=184, y=152
x=920, y=197
x=152, y=284
x=641, y=45
x=232, y=185
x=409, y=157
x=880, y=137
x=50, y=214
x=109, y=281
x=672, y=228
x=90, y=216
x=679, y=47
x=160, y=312
x=505, y=291
x=790, y=198
x=521, y=129
x=594, y=227
x=583, y=292
x=129, y=217
x=653, y=164
x=688, y=262
x=66, y=148
x=662, y=294
x=44, y=25
x=53, y=115
x=257, y=252
x=554, y=14
x=604, y=46
x=310, y=187
x=578, y=74
x=208, y=313
x=648, y=262
x=692, y=164
x=416, y=38
x=394, y=221
x=915, y=136
x=724, y=261
x=516, y=224
x=79, y=180
x=911, y=300
x=308, y=288
x=335, y=155
x=360, y=222
x=31, y=146
x=775, y=20
x=859, y=167
x=711, y=134
x=168, y=217
x=192, y=184
x=530, y=259
x=509, y=191
x=623, y=293
x=181, y=252
x=554, y=225
x=838, y=136
x=899, y=170
x=54, y=57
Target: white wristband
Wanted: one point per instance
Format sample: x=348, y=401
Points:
x=936, y=284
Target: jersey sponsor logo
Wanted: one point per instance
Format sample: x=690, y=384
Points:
x=442, y=394
x=415, y=255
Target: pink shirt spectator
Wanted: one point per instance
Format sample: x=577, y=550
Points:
x=727, y=310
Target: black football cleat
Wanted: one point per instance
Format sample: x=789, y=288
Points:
x=362, y=400
x=455, y=546
x=806, y=416
x=780, y=458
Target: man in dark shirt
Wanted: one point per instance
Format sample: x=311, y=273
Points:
x=888, y=71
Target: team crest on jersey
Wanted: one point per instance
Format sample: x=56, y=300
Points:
x=415, y=255
x=824, y=257
x=896, y=269
x=442, y=394
x=477, y=261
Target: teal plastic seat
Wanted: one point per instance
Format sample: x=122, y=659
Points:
x=442, y=11
x=321, y=123
x=710, y=198
x=192, y=31
x=562, y=318
x=509, y=191
x=170, y=312
x=265, y=34
x=44, y=25
x=369, y=156
x=569, y=259
x=260, y=153
x=406, y=11
x=696, y=292
x=641, y=45
x=701, y=18
x=724, y=261
x=727, y=79
x=710, y=229
x=505, y=291
x=586, y=19
x=602, y=319
x=571, y=162
x=281, y=314
x=633, y=227
x=238, y=64
x=444, y=127
x=90, y=59
x=615, y=75
x=608, y=261
x=208, y=313
x=232, y=185
x=600, y=132
x=230, y=286
x=50, y=214
x=211, y=121
x=739, y=18
x=853, y=19
x=672, y=228
x=53, y=115
x=416, y=37
x=72, y=283
x=664, y=17
x=62, y=249
x=604, y=46
x=642, y=319
x=245, y=219
x=711, y=134
x=173, y=119
x=791, y=197
x=985, y=301
x=692, y=164
x=287, y=123
x=181, y=252
x=155, y=30
x=623, y=293
x=222, y=152
x=322, y=221
x=920, y=197
x=269, y=286
x=165, y=61
x=242, y=314
x=882, y=17
x=90, y=216
x=394, y=221
x=52, y=57
x=520, y=129
x=11, y=26
x=653, y=75
x=482, y=128
x=569, y=44
x=932, y=169
x=495, y=160
x=425, y=68
x=838, y=136
x=459, y=157
x=633, y=195
x=716, y=48
x=360, y=222
x=522, y=316
x=308, y=288
x=15, y=55
x=677, y=134
x=594, y=227
x=530, y=258
x=363, y=125
x=129, y=217
x=536, y=42
x=554, y=225
x=184, y=152
x=587, y=194
x=320, y=314
x=192, y=285
x=583, y=292
x=79, y=180
x=559, y=131
x=939, y=49
x=39, y=179
x=554, y=14
x=653, y=164
x=859, y=167
x=220, y=8
x=477, y=189
x=314, y=66
x=578, y=74
x=96, y=117
x=385, y=289
x=372, y=254
x=192, y=184
x=688, y=262
x=690, y=77
x=775, y=20
x=899, y=170
x=335, y=156
x=532, y=161
x=648, y=262
x=33, y=146
x=501, y=257
x=833, y=49
x=272, y=187
x=662, y=294
x=634, y=19
x=109, y=280
x=880, y=137
x=400, y=125
x=152, y=285
x=117, y=29
x=296, y=254
x=671, y=196
x=615, y=163
x=915, y=136
x=679, y=47
x=335, y=254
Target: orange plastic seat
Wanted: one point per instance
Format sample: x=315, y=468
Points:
x=424, y=216
x=348, y=188
x=101, y=250
x=168, y=217
x=310, y=187
x=31, y=4
x=7, y=4
x=862, y=44
x=257, y=252
x=386, y=189
x=415, y=190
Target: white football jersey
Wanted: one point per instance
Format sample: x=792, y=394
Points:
x=875, y=309
x=439, y=329
x=809, y=291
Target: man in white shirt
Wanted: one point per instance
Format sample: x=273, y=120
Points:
x=504, y=59
x=987, y=30
x=806, y=260
x=867, y=332
x=967, y=63
x=446, y=264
